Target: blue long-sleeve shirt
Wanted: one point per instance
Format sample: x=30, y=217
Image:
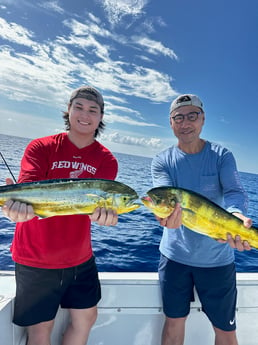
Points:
x=213, y=173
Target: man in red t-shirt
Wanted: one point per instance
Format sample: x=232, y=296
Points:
x=54, y=261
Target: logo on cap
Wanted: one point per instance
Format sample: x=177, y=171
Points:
x=184, y=98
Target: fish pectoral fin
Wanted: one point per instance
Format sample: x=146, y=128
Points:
x=97, y=200
x=92, y=195
x=187, y=210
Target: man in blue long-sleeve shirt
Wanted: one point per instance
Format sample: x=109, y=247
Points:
x=190, y=259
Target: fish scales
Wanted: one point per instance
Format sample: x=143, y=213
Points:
x=198, y=213
x=71, y=196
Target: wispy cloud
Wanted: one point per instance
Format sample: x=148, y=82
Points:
x=53, y=6
x=117, y=9
x=127, y=120
x=54, y=65
x=43, y=71
x=154, y=47
x=16, y=33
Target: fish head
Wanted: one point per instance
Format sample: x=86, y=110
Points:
x=125, y=203
x=113, y=195
x=161, y=200
x=124, y=198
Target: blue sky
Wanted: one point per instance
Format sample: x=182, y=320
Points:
x=140, y=54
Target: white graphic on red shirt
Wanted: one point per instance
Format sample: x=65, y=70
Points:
x=76, y=173
x=78, y=166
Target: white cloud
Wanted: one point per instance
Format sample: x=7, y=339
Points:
x=130, y=140
x=15, y=33
x=53, y=6
x=117, y=9
x=127, y=120
x=94, y=18
x=154, y=47
x=24, y=75
x=118, y=99
x=54, y=67
x=139, y=82
x=144, y=58
x=111, y=108
x=89, y=28
x=85, y=35
x=89, y=44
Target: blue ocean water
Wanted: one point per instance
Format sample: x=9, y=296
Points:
x=132, y=245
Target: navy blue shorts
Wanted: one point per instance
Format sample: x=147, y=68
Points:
x=40, y=292
x=216, y=288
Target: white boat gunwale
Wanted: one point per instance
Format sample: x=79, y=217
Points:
x=130, y=312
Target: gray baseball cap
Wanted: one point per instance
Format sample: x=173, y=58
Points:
x=90, y=93
x=187, y=99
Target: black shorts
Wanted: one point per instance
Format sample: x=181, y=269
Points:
x=40, y=292
x=216, y=288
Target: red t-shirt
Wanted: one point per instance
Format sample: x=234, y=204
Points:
x=60, y=241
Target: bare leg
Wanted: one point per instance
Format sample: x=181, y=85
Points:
x=78, y=330
x=39, y=334
x=225, y=338
x=173, y=331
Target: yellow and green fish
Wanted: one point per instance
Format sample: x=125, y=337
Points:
x=198, y=213
x=71, y=196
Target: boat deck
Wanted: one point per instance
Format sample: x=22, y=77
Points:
x=130, y=312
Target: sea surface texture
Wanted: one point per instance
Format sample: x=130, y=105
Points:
x=133, y=244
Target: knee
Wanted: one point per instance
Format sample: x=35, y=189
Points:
x=174, y=326
x=39, y=333
x=225, y=337
x=93, y=317
x=173, y=331
x=83, y=318
x=175, y=322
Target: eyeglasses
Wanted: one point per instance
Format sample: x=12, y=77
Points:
x=192, y=116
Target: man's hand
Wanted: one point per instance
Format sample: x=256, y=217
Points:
x=174, y=220
x=17, y=211
x=237, y=242
x=104, y=216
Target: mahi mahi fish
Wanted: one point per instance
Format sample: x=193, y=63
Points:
x=198, y=213
x=71, y=196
